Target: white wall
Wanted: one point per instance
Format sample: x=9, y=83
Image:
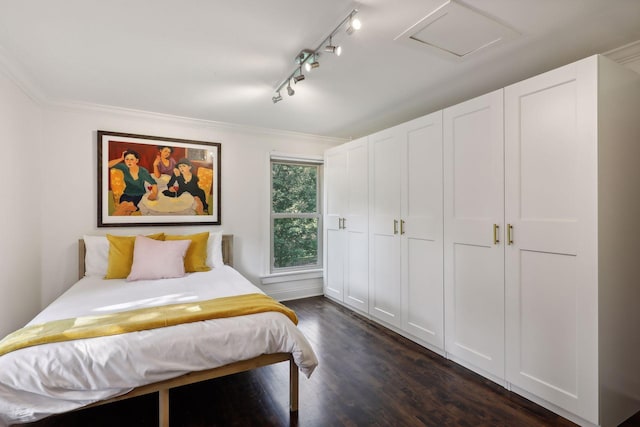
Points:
x=70, y=202
x=49, y=191
x=20, y=206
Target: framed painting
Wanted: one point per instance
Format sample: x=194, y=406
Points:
x=152, y=180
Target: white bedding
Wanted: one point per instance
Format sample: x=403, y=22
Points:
x=53, y=378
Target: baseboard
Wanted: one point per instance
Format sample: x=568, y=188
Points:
x=392, y=328
x=481, y=372
x=550, y=406
x=297, y=293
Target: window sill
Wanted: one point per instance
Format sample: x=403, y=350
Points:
x=291, y=276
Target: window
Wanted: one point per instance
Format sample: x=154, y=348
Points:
x=296, y=218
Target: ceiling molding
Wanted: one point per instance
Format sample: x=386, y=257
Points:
x=186, y=121
x=15, y=72
x=625, y=54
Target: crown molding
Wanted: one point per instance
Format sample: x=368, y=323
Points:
x=186, y=121
x=17, y=74
x=625, y=54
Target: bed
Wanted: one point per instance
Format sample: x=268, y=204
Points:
x=57, y=377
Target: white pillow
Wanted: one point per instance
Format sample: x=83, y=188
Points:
x=214, y=250
x=158, y=259
x=96, y=257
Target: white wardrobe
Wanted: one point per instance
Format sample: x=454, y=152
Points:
x=346, y=206
x=572, y=203
x=473, y=243
x=516, y=228
x=405, y=237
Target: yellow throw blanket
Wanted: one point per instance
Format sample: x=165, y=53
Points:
x=141, y=319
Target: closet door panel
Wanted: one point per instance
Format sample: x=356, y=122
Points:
x=335, y=175
x=475, y=290
x=424, y=311
x=422, y=255
x=474, y=260
x=476, y=168
x=551, y=287
x=335, y=169
x=384, y=242
x=547, y=152
x=357, y=271
x=356, y=289
x=335, y=260
x=357, y=189
x=548, y=319
x=385, y=291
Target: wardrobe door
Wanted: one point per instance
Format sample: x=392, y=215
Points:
x=385, y=154
x=335, y=175
x=355, y=227
x=421, y=230
x=473, y=242
x=551, y=266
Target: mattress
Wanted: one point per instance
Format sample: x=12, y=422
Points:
x=39, y=381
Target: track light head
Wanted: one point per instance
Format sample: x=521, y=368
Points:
x=290, y=90
x=333, y=49
x=354, y=25
x=299, y=77
x=311, y=65
x=337, y=50
x=276, y=98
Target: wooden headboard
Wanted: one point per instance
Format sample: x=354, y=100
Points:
x=227, y=253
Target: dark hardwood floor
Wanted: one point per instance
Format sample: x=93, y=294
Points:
x=368, y=376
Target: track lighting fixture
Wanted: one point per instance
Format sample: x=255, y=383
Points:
x=309, y=58
x=299, y=77
x=311, y=65
x=333, y=49
x=354, y=24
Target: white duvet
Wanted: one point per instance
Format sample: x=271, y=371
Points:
x=53, y=378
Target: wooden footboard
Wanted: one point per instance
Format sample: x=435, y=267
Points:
x=163, y=387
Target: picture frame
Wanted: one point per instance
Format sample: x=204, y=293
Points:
x=157, y=181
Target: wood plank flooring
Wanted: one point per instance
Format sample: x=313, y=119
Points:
x=368, y=376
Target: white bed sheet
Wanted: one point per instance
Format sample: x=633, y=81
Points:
x=53, y=378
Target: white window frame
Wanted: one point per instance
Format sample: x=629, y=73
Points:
x=303, y=161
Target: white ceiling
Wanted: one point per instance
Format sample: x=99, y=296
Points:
x=221, y=60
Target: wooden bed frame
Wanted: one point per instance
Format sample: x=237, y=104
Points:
x=163, y=387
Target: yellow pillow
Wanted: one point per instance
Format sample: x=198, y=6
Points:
x=196, y=257
x=121, y=254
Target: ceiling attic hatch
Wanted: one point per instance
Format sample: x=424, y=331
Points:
x=455, y=31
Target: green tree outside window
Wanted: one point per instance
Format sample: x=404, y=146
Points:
x=295, y=217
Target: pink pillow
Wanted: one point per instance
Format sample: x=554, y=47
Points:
x=157, y=259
